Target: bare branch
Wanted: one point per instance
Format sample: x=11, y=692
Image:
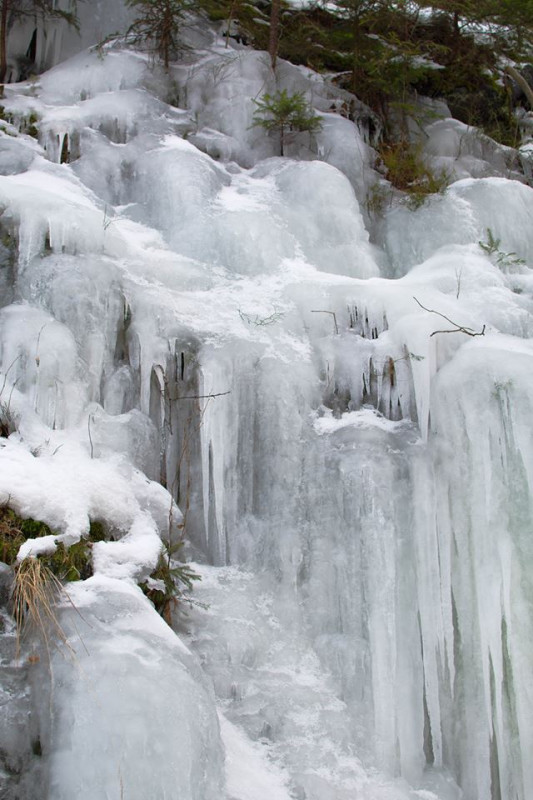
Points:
x=6, y=373
x=457, y=329
x=199, y=396
x=332, y=314
x=89, y=432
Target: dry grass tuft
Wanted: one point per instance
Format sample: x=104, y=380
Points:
x=35, y=593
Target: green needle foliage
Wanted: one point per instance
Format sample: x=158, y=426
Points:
x=165, y=588
x=169, y=580
x=492, y=248
x=284, y=113
x=159, y=21
x=389, y=52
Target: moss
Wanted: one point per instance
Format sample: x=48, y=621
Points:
x=74, y=563
x=66, y=563
x=7, y=241
x=32, y=528
x=29, y=125
x=377, y=198
x=97, y=532
x=8, y=244
x=11, y=536
x=70, y=564
x=32, y=131
x=5, y=116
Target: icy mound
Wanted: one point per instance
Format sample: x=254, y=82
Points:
x=464, y=214
x=128, y=668
x=464, y=152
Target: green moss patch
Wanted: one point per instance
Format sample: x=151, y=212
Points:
x=66, y=563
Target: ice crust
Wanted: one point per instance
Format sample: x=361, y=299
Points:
x=125, y=651
x=184, y=307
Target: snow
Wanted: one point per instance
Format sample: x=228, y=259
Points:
x=190, y=319
x=248, y=775
x=363, y=418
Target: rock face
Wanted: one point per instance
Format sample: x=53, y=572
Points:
x=190, y=321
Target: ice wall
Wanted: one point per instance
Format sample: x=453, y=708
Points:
x=35, y=44
x=182, y=305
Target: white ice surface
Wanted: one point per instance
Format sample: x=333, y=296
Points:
x=361, y=480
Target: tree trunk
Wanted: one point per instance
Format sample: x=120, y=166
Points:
x=456, y=25
x=274, y=32
x=3, y=46
x=166, y=39
x=356, y=64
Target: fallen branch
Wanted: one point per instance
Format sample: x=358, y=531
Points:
x=457, y=328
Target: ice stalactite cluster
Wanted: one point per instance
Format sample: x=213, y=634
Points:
x=353, y=470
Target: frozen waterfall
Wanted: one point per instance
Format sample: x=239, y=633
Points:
x=198, y=335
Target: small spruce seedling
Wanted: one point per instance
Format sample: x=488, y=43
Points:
x=284, y=113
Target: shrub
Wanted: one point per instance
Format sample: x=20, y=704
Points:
x=492, y=248
x=408, y=172
x=282, y=113
x=160, y=21
x=167, y=583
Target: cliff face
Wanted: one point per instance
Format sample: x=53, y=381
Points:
x=323, y=385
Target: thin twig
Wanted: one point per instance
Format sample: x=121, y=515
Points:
x=37, y=357
x=332, y=314
x=261, y=321
x=458, y=276
x=90, y=437
x=457, y=328
x=199, y=396
x=6, y=373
